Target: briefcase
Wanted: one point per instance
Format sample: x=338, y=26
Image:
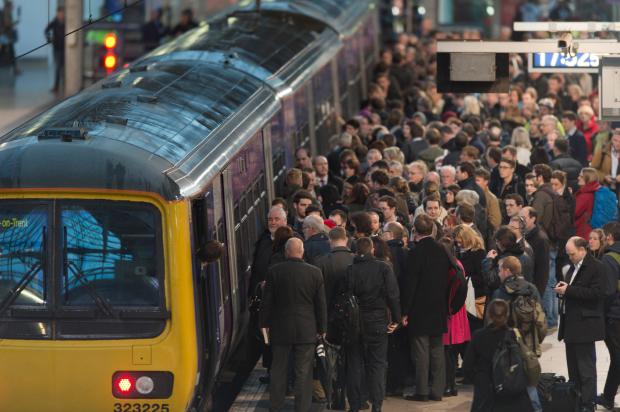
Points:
x=557, y=395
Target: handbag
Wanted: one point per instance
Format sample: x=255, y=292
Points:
x=470, y=300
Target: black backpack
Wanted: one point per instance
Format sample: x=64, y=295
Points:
x=509, y=369
x=345, y=322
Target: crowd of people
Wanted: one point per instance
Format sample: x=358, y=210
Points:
x=517, y=191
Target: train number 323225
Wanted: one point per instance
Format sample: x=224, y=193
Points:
x=141, y=407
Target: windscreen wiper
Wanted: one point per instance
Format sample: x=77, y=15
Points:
x=100, y=301
x=17, y=289
x=27, y=278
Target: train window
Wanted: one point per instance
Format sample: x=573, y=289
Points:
x=110, y=255
x=23, y=241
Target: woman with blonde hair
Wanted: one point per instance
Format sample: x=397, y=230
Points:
x=521, y=140
x=471, y=252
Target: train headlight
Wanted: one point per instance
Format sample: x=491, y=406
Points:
x=124, y=385
x=142, y=384
x=145, y=385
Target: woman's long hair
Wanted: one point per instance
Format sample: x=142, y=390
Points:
x=497, y=314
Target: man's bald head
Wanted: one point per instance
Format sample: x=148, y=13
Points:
x=294, y=248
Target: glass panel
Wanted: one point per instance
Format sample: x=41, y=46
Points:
x=110, y=253
x=23, y=228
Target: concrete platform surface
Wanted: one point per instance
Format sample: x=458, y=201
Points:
x=254, y=395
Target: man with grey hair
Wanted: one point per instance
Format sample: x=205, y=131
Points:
x=433, y=177
x=316, y=243
x=263, y=248
x=395, y=168
x=448, y=175
x=293, y=315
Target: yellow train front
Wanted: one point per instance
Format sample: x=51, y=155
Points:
x=110, y=199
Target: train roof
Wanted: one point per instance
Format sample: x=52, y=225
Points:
x=172, y=120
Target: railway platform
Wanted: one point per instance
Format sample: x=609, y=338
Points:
x=25, y=95
x=254, y=396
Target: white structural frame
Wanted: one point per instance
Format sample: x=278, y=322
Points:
x=592, y=46
x=566, y=26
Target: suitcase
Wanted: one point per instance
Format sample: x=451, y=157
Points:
x=557, y=395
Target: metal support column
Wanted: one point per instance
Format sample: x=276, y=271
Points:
x=74, y=47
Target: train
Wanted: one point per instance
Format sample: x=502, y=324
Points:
x=110, y=199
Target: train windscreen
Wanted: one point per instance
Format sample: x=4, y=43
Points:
x=72, y=267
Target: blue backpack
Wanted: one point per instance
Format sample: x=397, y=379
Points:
x=605, y=208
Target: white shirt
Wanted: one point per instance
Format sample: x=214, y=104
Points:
x=577, y=267
x=614, y=162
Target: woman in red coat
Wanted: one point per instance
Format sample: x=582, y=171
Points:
x=584, y=200
x=588, y=126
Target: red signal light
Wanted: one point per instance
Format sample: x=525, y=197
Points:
x=109, y=61
x=110, y=41
x=124, y=385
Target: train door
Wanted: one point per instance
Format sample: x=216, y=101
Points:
x=213, y=290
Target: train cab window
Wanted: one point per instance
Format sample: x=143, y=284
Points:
x=110, y=254
x=23, y=244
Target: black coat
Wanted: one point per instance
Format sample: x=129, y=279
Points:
x=293, y=304
x=612, y=270
x=334, y=268
x=316, y=246
x=578, y=147
x=472, y=263
x=425, y=294
x=515, y=186
x=374, y=284
x=490, y=266
x=583, y=320
x=478, y=367
x=262, y=260
x=470, y=184
x=539, y=241
x=399, y=258
x=413, y=148
x=569, y=165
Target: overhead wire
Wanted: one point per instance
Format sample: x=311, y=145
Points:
x=82, y=27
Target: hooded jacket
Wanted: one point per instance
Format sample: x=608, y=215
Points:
x=490, y=267
x=584, y=203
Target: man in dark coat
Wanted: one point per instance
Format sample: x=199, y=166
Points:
x=264, y=247
x=425, y=309
x=576, y=139
x=582, y=321
x=466, y=176
x=507, y=245
x=539, y=242
x=316, y=243
x=324, y=176
x=334, y=264
x=544, y=196
x=374, y=284
x=293, y=315
x=566, y=163
x=400, y=368
x=55, y=32
x=611, y=261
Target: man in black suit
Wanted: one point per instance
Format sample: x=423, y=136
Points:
x=576, y=140
x=293, y=315
x=324, y=176
x=582, y=322
x=334, y=264
x=425, y=309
